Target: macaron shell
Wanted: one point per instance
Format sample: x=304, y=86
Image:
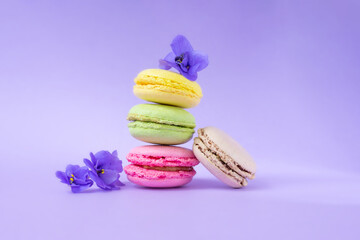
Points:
x=156, y=178
x=216, y=171
x=163, y=183
x=167, y=87
x=162, y=156
x=160, y=133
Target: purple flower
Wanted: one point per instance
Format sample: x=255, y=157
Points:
x=76, y=177
x=104, y=169
x=184, y=58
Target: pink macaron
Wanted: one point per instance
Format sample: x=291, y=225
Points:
x=160, y=166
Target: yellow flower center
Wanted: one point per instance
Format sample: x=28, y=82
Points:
x=72, y=178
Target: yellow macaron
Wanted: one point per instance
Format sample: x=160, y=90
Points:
x=167, y=87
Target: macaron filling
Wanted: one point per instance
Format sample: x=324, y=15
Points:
x=158, y=126
x=145, y=118
x=151, y=174
x=171, y=169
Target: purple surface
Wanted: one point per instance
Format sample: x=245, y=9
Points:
x=283, y=78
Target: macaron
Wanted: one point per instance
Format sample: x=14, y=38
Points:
x=225, y=158
x=160, y=166
x=167, y=87
x=161, y=124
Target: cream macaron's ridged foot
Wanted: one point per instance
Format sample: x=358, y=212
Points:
x=224, y=157
x=167, y=87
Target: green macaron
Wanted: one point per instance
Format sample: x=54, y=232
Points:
x=161, y=124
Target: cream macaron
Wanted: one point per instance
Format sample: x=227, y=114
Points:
x=224, y=157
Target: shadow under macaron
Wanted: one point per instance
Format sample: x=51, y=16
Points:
x=206, y=184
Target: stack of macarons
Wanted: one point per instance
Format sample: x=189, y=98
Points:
x=165, y=122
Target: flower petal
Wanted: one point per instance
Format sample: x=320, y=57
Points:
x=93, y=160
x=109, y=176
x=115, y=186
x=163, y=64
x=190, y=75
x=90, y=165
x=181, y=45
x=117, y=183
x=170, y=57
x=70, y=169
x=62, y=176
x=108, y=161
x=198, y=59
x=117, y=166
x=82, y=173
x=85, y=181
x=114, y=153
x=102, y=159
x=99, y=182
x=168, y=61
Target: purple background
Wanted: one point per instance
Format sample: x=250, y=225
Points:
x=283, y=79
